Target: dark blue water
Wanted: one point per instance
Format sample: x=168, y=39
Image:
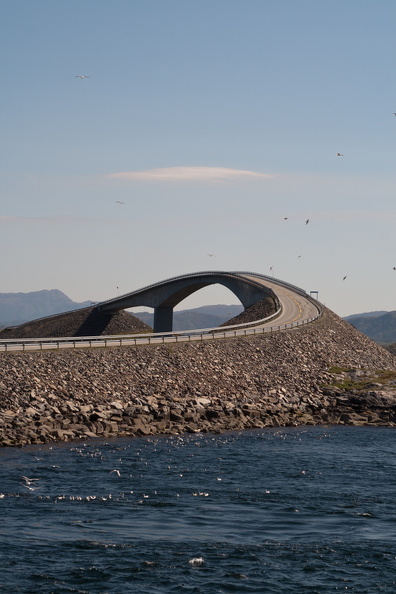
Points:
x=287, y=510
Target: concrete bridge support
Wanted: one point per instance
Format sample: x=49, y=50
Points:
x=164, y=296
x=163, y=319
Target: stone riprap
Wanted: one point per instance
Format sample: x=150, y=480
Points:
x=258, y=311
x=280, y=379
x=81, y=322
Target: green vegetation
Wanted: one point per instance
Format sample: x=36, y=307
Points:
x=346, y=378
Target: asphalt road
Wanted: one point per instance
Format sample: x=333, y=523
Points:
x=297, y=309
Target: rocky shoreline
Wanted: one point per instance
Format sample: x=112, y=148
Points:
x=324, y=373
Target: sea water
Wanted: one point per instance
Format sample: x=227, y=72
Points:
x=297, y=510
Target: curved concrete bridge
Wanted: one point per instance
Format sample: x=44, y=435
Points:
x=294, y=308
x=248, y=287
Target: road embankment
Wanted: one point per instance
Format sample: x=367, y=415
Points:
x=324, y=373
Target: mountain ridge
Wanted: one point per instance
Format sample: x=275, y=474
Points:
x=19, y=308
x=381, y=328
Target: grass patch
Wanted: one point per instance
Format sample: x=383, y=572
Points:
x=386, y=376
x=345, y=381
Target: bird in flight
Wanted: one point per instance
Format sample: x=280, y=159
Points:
x=82, y=76
x=285, y=218
x=344, y=278
x=211, y=255
x=307, y=221
x=394, y=113
x=394, y=268
x=119, y=202
x=340, y=155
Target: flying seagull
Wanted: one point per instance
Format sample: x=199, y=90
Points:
x=119, y=202
x=29, y=480
x=307, y=221
x=211, y=255
x=82, y=76
x=344, y=278
x=340, y=155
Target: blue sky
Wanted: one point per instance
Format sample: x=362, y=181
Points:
x=216, y=125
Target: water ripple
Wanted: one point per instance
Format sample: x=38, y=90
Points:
x=296, y=510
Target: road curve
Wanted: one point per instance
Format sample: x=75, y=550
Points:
x=297, y=308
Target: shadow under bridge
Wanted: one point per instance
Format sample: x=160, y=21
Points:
x=165, y=295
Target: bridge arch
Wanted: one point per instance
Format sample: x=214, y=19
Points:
x=165, y=295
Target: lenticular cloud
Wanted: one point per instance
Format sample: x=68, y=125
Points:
x=187, y=174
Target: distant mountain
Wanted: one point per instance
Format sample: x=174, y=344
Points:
x=369, y=314
x=207, y=316
x=379, y=326
x=17, y=308
x=391, y=348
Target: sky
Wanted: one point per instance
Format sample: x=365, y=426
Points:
x=205, y=138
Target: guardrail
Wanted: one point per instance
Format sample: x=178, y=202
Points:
x=246, y=329
x=199, y=331
x=234, y=273
x=181, y=276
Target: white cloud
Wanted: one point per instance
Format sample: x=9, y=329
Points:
x=187, y=174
